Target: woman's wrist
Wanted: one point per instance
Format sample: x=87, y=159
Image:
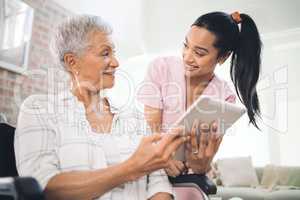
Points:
x=131, y=170
x=200, y=169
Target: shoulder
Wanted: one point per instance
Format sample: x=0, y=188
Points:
x=37, y=110
x=224, y=88
x=49, y=101
x=165, y=68
x=33, y=118
x=166, y=62
x=35, y=102
x=221, y=82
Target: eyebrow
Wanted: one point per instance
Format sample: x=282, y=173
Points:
x=197, y=47
x=111, y=46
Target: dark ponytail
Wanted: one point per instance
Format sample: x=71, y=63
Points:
x=245, y=66
x=245, y=46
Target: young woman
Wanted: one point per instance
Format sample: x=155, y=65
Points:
x=172, y=84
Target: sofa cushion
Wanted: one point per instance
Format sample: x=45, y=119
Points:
x=289, y=176
x=279, y=175
x=245, y=193
x=227, y=193
x=283, y=195
x=259, y=172
x=270, y=177
x=237, y=172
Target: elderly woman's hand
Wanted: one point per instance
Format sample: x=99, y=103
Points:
x=175, y=168
x=199, y=156
x=155, y=151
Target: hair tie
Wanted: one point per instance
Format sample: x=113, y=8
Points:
x=236, y=17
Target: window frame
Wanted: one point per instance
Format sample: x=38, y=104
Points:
x=4, y=64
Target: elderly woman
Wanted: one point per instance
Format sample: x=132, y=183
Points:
x=75, y=143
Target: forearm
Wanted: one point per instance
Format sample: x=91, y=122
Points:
x=88, y=184
x=153, y=117
x=161, y=196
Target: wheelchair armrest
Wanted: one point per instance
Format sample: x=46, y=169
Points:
x=201, y=182
x=28, y=188
x=21, y=188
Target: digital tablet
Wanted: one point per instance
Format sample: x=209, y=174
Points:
x=207, y=110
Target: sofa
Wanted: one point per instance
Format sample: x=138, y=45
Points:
x=273, y=183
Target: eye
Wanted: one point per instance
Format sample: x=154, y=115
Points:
x=105, y=53
x=185, y=45
x=199, y=54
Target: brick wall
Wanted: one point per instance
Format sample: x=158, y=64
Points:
x=14, y=88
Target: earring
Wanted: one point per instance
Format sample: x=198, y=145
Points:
x=77, y=82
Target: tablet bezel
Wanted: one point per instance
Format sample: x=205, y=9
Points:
x=224, y=113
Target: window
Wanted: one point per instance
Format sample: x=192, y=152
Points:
x=16, y=19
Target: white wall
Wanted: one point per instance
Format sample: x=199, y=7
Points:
x=152, y=26
x=281, y=69
x=125, y=17
x=290, y=141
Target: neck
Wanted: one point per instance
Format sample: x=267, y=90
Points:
x=92, y=101
x=198, y=81
x=86, y=97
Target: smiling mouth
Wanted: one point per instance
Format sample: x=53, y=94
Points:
x=191, y=68
x=109, y=72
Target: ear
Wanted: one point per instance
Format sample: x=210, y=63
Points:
x=224, y=58
x=71, y=62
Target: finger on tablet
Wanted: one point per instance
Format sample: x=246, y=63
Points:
x=213, y=135
x=204, y=129
x=214, y=127
x=194, y=143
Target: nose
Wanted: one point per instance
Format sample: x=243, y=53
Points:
x=188, y=56
x=114, y=62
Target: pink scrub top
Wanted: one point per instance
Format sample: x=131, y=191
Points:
x=164, y=87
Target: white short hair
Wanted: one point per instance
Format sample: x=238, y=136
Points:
x=71, y=36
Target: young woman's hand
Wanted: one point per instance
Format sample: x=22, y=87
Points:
x=161, y=196
x=199, y=156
